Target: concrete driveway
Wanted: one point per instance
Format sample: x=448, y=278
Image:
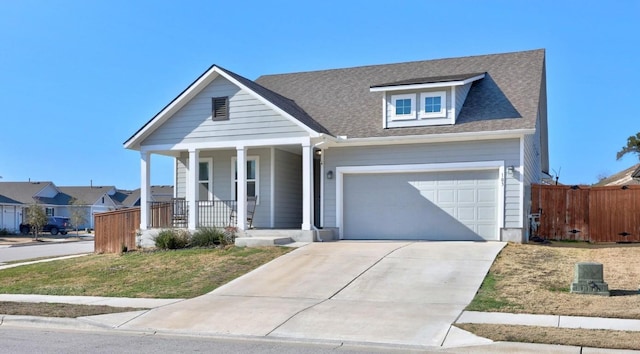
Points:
x=405, y=293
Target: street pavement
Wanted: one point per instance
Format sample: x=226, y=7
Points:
x=44, y=249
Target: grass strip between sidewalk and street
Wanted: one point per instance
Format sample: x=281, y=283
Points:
x=58, y=310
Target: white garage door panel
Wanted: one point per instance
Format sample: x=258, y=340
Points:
x=425, y=205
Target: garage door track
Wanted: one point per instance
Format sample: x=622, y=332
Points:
x=405, y=293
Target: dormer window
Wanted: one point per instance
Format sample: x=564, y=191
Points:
x=433, y=104
x=404, y=107
x=424, y=101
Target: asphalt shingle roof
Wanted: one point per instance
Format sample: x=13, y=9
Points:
x=129, y=198
x=627, y=176
x=24, y=192
x=84, y=194
x=340, y=100
x=281, y=102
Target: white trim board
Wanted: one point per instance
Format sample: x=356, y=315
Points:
x=426, y=85
x=232, y=144
x=434, y=167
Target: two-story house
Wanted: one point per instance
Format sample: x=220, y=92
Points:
x=433, y=150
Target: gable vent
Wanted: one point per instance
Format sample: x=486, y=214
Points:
x=220, y=108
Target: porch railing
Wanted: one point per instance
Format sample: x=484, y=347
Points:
x=211, y=213
x=215, y=213
x=169, y=214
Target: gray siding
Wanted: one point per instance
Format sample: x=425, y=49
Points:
x=507, y=150
x=288, y=189
x=248, y=119
x=461, y=95
x=532, y=169
x=181, y=175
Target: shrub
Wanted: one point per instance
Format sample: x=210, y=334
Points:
x=229, y=235
x=207, y=237
x=5, y=232
x=172, y=239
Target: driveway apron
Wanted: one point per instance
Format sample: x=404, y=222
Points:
x=405, y=293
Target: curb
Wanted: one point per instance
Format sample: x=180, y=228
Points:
x=47, y=322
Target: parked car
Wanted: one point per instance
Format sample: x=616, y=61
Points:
x=54, y=225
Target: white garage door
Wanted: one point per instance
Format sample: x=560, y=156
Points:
x=426, y=205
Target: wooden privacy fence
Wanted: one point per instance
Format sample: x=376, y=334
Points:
x=115, y=230
x=593, y=214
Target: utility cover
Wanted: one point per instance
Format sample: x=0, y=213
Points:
x=588, y=279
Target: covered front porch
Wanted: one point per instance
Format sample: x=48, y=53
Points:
x=211, y=178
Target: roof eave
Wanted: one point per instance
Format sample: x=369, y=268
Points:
x=312, y=132
x=426, y=85
x=196, y=87
x=173, y=106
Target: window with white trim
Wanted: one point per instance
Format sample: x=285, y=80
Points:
x=253, y=177
x=205, y=179
x=49, y=211
x=433, y=104
x=403, y=106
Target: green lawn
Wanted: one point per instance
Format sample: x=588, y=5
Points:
x=161, y=274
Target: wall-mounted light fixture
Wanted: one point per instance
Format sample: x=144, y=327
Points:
x=510, y=169
x=330, y=174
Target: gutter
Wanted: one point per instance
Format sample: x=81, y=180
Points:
x=433, y=138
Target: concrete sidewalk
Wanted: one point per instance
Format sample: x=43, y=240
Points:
x=614, y=324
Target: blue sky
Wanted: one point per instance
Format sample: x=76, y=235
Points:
x=78, y=78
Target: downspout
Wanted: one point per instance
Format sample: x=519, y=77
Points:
x=313, y=226
x=316, y=232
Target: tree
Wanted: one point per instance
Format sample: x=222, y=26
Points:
x=633, y=146
x=78, y=215
x=37, y=218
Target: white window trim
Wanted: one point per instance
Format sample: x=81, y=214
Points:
x=47, y=209
x=209, y=161
x=410, y=116
x=443, y=106
x=233, y=175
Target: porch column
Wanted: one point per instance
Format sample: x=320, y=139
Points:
x=145, y=186
x=241, y=189
x=192, y=189
x=307, y=186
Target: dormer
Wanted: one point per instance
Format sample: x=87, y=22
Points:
x=425, y=101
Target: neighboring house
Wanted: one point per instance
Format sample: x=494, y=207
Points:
x=15, y=197
x=91, y=200
x=131, y=198
x=10, y=214
x=628, y=176
x=436, y=150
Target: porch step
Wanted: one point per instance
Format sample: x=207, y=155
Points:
x=262, y=241
x=270, y=237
